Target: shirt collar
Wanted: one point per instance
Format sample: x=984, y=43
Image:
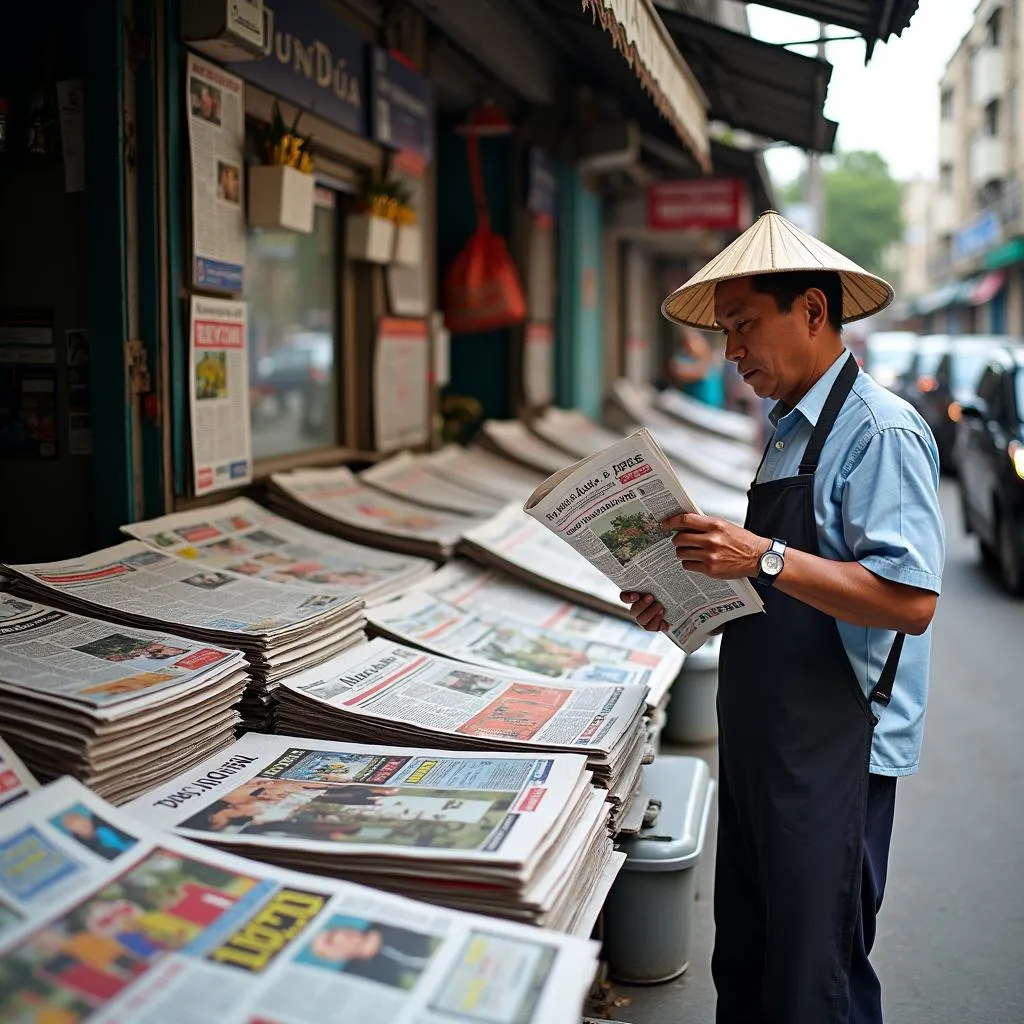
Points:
x=813, y=402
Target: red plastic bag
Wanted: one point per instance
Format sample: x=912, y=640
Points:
x=482, y=288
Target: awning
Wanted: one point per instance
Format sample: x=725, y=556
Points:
x=756, y=86
x=986, y=288
x=950, y=294
x=638, y=32
x=1007, y=253
x=875, y=20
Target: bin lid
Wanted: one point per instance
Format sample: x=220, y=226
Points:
x=676, y=838
x=705, y=658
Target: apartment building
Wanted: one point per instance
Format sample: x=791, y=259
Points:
x=974, y=226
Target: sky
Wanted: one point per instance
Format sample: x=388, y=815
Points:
x=892, y=105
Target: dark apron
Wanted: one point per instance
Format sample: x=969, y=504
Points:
x=795, y=734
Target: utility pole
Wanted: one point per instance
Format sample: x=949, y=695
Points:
x=815, y=186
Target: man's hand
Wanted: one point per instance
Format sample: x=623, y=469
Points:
x=715, y=547
x=645, y=611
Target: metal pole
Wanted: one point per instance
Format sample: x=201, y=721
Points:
x=815, y=185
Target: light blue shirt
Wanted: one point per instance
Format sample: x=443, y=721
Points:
x=875, y=502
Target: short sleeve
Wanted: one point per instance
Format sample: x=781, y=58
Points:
x=892, y=522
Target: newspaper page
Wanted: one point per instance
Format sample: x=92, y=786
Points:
x=133, y=579
x=96, y=665
x=245, y=538
x=15, y=779
x=490, y=592
x=338, y=494
x=501, y=642
x=383, y=679
x=219, y=398
x=512, y=438
x=735, y=426
x=572, y=431
x=401, y=390
x=481, y=471
x=609, y=508
x=409, y=476
x=216, y=131
x=363, y=801
x=104, y=918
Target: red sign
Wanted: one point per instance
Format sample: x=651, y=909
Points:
x=709, y=204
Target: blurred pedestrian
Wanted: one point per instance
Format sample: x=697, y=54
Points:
x=696, y=369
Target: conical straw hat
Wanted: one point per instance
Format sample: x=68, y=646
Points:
x=773, y=245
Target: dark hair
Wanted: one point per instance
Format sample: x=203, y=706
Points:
x=786, y=287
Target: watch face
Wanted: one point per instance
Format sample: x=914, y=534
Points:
x=771, y=563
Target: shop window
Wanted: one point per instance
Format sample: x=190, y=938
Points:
x=992, y=119
x=994, y=29
x=946, y=104
x=291, y=288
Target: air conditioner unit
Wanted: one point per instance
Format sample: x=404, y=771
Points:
x=226, y=30
x=608, y=148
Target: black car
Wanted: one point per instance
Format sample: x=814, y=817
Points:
x=919, y=379
x=990, y=457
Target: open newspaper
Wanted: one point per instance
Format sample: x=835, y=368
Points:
x=498, y=640
x=15, y=779
x=609, y=508
x=412, y=476
x=246, y=538
x=107, y=919
x=515, y=835
x=119, y=708
x=386, y=692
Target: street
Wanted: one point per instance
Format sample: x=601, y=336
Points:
x=951, y=930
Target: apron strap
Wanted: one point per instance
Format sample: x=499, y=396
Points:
x=882, y=693
x=840, y=389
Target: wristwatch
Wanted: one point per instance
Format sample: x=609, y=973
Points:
x=772, y=562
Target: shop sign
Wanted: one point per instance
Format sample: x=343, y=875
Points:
x=314, y=59
x=541, y=186
x=981, y=234
x=402, y=111
x=708, y=204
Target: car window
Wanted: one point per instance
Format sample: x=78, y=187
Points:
x=928, y=363
x=965, y=369
x=988, y=385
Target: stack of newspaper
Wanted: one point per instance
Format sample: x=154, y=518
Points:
x=336, y=501
x=121, y=709
x=414, y=477
x=516, y=835
x=734, y=426
x=384, y=692
x=608, y=509
x=514, y=440
x=245, y=538
x=106, y=918
x=478, y=470
x=280, y=628
x=15, y=779
x=572, y=431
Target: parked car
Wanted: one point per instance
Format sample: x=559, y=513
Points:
x=919, y=378
x=990, y=457
x=887, y=355
x=956, y=377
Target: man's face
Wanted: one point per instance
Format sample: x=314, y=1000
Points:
x=347, y=944
x=773, y=351
x=79, y=825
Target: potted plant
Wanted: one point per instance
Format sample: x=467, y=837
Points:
x=282, y=187
x=408, y=237
x=371, y=227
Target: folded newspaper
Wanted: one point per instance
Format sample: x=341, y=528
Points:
x=514, y=440
x=478, y=470
x=734, y=426
x=245, y=538
x=514, y=835
x=280, y=628
x=413, y=477
x=336, y=501
x=384, y=692
x=15, y=779
x=121, y=709
x=572, y=431
x=499, y=640
x=104, y=918
x=609, y=509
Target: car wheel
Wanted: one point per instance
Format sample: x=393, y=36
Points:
x=1011, y=565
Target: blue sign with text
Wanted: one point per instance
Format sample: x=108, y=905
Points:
x=983, y=233
x=313, y=59
x=402, y=110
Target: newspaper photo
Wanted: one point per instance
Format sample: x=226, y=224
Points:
x=500, y=641
x=215, y=103
x=609, y=508
x=15, y=779
x=247, y=539
x=219, y=395
x=104, y=918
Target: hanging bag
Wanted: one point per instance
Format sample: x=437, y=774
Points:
x=482, y=289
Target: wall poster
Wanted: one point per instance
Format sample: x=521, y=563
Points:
x=28, y=385
x=401, y=375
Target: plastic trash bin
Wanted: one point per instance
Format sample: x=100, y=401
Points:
x=648, y=915
x=692, y=711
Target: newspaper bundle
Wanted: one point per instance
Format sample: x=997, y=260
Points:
x=498, y=640
x=336, y=501
x=572, y=431
x=412, y=476
x=478, y=470
x=280, y=628
x=119, y=708
x=515, y=835
x=733, y=426
x=609, y=509
x=247, y=539
x=384, y=692
x=15, y=779
x=518, y=544
x=104, y=918
x=512, y=439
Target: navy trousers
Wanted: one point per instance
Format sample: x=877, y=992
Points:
x=865, y=989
